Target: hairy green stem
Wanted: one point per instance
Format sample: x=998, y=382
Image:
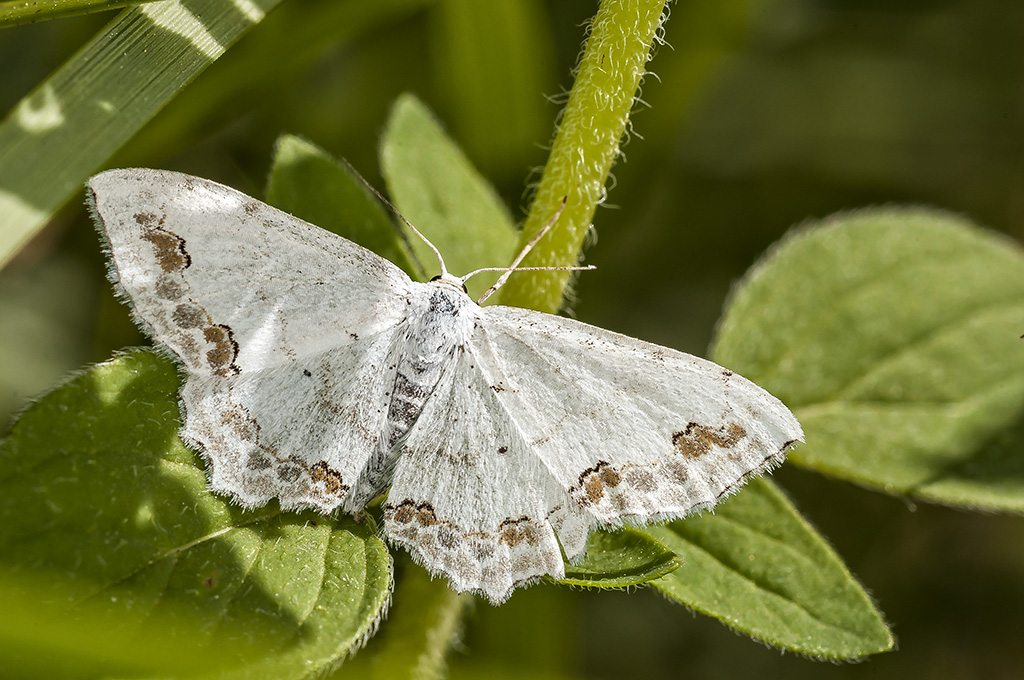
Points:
x=593, y=122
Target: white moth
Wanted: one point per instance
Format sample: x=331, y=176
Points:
x=320, y=374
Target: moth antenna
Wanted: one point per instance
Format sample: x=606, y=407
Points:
x=509, y=271
x=440, y=260
x=522, y=254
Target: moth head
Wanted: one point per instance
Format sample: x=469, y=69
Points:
x=450, y=280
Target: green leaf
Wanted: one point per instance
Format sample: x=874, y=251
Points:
x=17, y=12
x=306, y=182
x=104, y=507
x=73, y=121
x=619, y=559
x=491, y=62
x=894, y=335
x=424, y=622
x=589, y=132
x=757, y=566
x=436, y=188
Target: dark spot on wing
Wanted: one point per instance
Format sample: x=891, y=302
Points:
x=405, y=512
x=241, y=423
x=168, y=289
x=331, y=478
x=288, y=473
x=189, y=316
x=168, y=248
x=502, y=449
x=697, y=440
x=222, y=357
x=425, y=515
x=257, y=461
x=516, y=531
x=592, y=482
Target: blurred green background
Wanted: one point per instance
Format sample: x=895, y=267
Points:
x=764, y=114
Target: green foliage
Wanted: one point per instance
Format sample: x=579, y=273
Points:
x=492, y=63
x=146, y=571
x=15, y=12
x=894, y=335
x=306, y=182
x=422, y=625
x=72, y=122
x=619, y=559
x=42, y=329
x=614, y=60
x=438, y=190
x=759, y=567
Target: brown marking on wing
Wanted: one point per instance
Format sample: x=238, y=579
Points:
x=287, y=472
x=640, y=478
x=697, y=440
x=168, y=289
x=189, y=316
x=405, y=512
x=168, y=248
x=222, y=357
x=516, y=531
x=425, y=515
x=258, y=461
x=592, y=482
x=331, y=478
x=241, y=423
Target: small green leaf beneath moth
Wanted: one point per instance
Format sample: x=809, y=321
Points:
x=619, y=559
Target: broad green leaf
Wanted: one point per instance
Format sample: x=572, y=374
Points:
x=757, y=566
x=589, y=132
x=73, y=121
x=492, y=62
x=422, y=625
x=16, y=12
x=619, y=559
x=894, y=335
x=436, y=188
x=102, y=503
x=306, y=182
